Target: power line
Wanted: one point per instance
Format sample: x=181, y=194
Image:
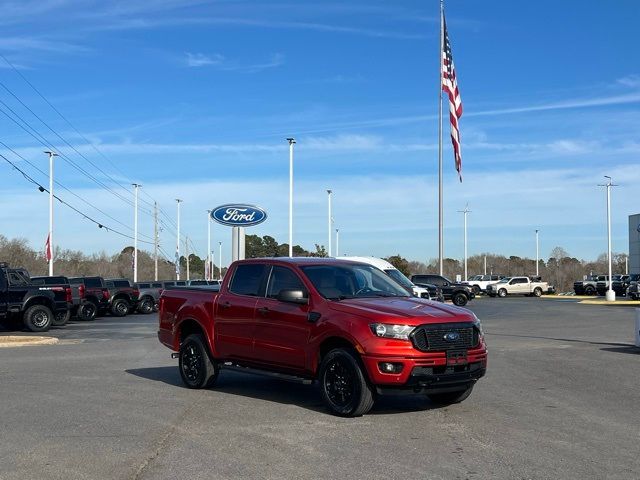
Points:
x=84, y=215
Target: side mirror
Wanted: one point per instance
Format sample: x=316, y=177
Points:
x=293, y=296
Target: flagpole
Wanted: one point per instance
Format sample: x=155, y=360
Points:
x=440, y=210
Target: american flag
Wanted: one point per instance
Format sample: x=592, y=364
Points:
x=450, y=85
x=47, y=249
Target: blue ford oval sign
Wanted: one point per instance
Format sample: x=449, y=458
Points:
x=239, y=215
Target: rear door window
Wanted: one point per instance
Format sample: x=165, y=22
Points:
x=247, y=279
x=121, y=283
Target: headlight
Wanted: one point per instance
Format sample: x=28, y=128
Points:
x=386, y=330
x=478, y=324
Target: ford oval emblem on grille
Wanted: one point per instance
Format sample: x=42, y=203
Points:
x=451, y=336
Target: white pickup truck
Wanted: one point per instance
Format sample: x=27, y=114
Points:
x=518, y=286
x=478, y=283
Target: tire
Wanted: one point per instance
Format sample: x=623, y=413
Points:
x=492, y=295
x=537, y=292
x=119, y=307
x=146, y=305
x=459, y=299
x=87, y=312
x=196, y=368
x=61, y=318
x=476, y=290
x=502, y=292
x=450, y=398
x=38, y=318
x=344, y=387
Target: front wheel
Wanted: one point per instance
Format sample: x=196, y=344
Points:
x=196, y=368
x=476, y=290
x=38, y=318
x=450, y=398
x=345, y=389
x=459, y=299
x=502, y=292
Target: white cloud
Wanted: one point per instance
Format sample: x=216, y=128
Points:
x=201, y=60
x=221, y=63
x=632, y=81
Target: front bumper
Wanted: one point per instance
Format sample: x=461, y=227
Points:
x=426, y=372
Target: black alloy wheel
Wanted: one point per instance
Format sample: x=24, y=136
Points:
x=61, y=318
x=459, y=299
x=476, y=290
x=120, y=307
x=146, y=305
x=196, y=368
x=87, y=312
x=345, y=390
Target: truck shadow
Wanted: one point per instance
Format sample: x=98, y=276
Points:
x=281, y=391
x=632, y=349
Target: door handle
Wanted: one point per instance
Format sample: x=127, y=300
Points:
x=263, y=311
x=225, y=305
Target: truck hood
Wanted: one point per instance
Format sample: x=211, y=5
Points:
x=406, y=310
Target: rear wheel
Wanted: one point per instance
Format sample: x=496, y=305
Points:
x=476, y=290
x=450, y=398
x=502, y=292
x=38, y=318
x=345, y=389
x=87, y=311
x=537, y=292
x=196, y=368
x=589, y=290
x=459, y=299
x=61, y=318
x=146, y=305
x=119, y=308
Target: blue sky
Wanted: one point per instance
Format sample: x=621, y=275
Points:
x=194, y=100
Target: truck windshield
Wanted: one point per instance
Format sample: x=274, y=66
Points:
x=337, y=282
x=399, y=277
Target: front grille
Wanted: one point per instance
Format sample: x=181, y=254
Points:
x=429, y=338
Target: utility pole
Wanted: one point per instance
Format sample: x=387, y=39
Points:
x=485, y=264
x=337, y=242
x=292, y=142
x=51, y=155
x=178, y=201
x=208, y=270
x=537, y=252
x=220, y=262
x=136, y=186
x=155, y=240
x=465, y=212
x=329, y=222
x=610, y=295
x=186, y=252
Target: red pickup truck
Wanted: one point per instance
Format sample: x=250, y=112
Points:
x=344, y=324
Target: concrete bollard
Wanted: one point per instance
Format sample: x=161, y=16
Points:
x=638, y=327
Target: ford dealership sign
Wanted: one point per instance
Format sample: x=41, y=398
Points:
x=239, y=215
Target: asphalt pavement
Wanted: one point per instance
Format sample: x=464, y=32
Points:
x=561, y=400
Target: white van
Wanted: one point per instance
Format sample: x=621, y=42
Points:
x=394, y=273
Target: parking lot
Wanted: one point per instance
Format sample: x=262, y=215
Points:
x=561, y=399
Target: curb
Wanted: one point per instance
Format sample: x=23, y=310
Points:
x=24, y=341
x=616, y=303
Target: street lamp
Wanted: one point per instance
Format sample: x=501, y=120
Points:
x=329, y=222
x=220, y=262
x=136, y=186
x=537, y=252
x=209, y=262
x=178, y=201
x=50, y=239
x=610, y=295
x=337, y=242
x=292, y=142
x=465, y=212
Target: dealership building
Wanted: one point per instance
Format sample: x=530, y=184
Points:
x=634, y=243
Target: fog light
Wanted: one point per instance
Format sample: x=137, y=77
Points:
x=388, y=367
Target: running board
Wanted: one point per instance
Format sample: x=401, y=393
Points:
x=266, y=373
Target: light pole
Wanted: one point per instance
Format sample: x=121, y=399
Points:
x=465, y=212
x=610, y=295
x=178, y=201
x=136, y=186
x=209, y=262
x=329, y=221
x=220, y=261
x=337, y=242
x=537, y=252
x=292, y=142
x=51, y=155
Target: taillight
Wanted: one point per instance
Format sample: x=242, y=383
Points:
x=81, y=291
x=136, y=292
x=69, y=297
x=105, y=294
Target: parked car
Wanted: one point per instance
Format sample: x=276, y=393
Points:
x=633, y=291
x=149, y=293
x=35, y=306
x=93, y=294
x=123, y=296
x=478, y=283
x=60, y=283
x=458, y=293
x=588, y=286
x=519, y=286
x=619, y=285
x=346, y=325
x=394, y=273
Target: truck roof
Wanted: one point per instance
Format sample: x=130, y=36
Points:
x=302, y=260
